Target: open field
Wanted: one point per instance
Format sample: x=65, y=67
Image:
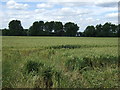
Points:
x=59, y=62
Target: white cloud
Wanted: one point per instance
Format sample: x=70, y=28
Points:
x=73, y=4
x=62, y=0
x=112, y=15
x=69, y=11
x=13, y=5
x=44, y=5
x=90, y=18
x=107, y=4
x=81, y=12
x=40, y=10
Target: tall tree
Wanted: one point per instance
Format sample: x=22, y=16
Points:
x=71, y=29
x=16, y=28
x=90, y=31
x=49, y=27
x=99, y=30
x=107, y=29
x=37, y=28
x=58, y=26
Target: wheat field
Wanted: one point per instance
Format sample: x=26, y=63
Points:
x=59, y=62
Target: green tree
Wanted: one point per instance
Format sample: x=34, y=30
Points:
x=37, y=28
x=49, y=26
x=99, y=30
x=58, y=26
x=90, y=31
x=107, y=29
x=71, y=29
x=5, y=32
x=114, y=30
x=15, y=28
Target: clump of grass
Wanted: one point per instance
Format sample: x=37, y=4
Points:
x=90, y=62
x=87, y=61
x=47, y=74
x=99, y=61
x=73, y=63
x=65, y=47
x=79, y=64
x=33, y=66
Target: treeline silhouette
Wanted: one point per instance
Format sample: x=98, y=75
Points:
x=56, y=28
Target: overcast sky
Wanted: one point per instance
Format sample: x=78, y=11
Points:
x=83, y=13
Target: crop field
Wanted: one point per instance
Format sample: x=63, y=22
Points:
x=59, y=62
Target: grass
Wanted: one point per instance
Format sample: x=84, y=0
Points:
x=60, y=62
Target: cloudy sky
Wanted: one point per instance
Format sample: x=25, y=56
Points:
x=81, y=12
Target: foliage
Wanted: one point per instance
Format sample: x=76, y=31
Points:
x=90, y=31
x=71, y=29
x=16, y=28
x=37, y=29
x=106, y=30
x=56, y=28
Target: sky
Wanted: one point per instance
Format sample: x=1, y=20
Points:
x=81, y=12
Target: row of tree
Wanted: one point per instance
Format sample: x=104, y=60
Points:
x=55, y=28
x=39, y=28
x=106, y=30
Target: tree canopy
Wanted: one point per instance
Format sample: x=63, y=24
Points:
x=106, y=30
x=37, y=28
x=57, y=28
x=15, y=28
x=71, y=29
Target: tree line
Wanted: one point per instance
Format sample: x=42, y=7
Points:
x=106, y=30
x=56, y=28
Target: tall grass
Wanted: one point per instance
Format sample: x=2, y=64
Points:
x=59, y=62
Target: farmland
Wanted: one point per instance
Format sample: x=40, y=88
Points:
x=59, y=62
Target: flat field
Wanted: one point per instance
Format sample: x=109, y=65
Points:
x=59, y=62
